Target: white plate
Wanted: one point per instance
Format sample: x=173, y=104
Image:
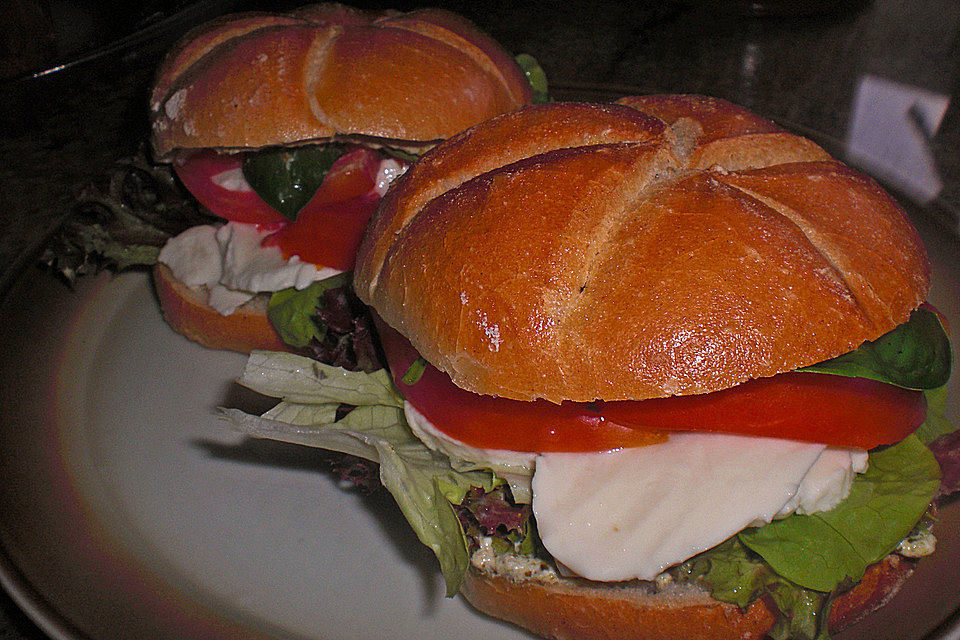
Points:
x=129, y=510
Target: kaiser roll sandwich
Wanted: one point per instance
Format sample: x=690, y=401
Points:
x=289, y=127
x=660, y=368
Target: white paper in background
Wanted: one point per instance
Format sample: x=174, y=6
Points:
x=889, y=134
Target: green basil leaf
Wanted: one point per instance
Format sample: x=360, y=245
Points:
x=287, y=178
x=535, y=76
x=291, y=311
x=825, y=550
x=915, y=355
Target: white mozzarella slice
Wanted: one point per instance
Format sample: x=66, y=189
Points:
x=632, y=513
x=250, y=266
x=232, y=263
x=194, y=256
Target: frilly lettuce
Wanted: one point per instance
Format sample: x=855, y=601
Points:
x=423, y=482
x=291, y=311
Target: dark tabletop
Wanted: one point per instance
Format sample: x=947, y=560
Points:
x=873, y=81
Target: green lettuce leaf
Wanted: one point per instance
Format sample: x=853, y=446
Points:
x=801, y=562
x=806, y=612
x=825, y=550
x=936, y=423
x=423, y=482
x=286, y=178
x=915, y=355
x=292, y=311
x=734, y=574
x=302, y=380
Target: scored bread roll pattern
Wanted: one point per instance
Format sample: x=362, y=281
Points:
x=253, y=80
x=664, y=245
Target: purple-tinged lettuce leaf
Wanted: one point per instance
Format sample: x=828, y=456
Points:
x=946, y=449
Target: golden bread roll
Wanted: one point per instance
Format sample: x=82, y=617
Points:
x=575, y=609
x=255, y=80
x=187, y=312
x=667, y=245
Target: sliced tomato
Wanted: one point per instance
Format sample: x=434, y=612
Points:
x=489, y=422
x=353, y=174
x=811, y=407
x=330, y=227
x=329, y=235
x=327, y=231
x=216, y=181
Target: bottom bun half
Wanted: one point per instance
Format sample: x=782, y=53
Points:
x=187, y=312
x=575, y=609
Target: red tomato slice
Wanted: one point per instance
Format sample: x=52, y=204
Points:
x=330, y=227
x=216, y=181
x=811, y=407
x=329, y=234
x=353, y=174
x=496, y=423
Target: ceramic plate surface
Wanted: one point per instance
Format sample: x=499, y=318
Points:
x=129, y=509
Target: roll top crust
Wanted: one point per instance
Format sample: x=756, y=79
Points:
x=667, y=245
x=254, y=80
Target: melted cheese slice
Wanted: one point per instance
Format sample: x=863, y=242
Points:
x=632, y=513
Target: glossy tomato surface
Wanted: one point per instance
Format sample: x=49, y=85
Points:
x=328, y=230
x=811, y=407
x=216, y=181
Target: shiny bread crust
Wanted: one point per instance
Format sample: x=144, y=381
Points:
x=187, y=312
x=664, y=245
x=256, y=79
x=574, y=609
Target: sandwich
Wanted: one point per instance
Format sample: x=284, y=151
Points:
x=289, y=128
x=657, y=369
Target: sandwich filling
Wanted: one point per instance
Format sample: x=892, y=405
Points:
x=269, y=241
x=632, y=513
x=231, y=262
x=735, y=513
